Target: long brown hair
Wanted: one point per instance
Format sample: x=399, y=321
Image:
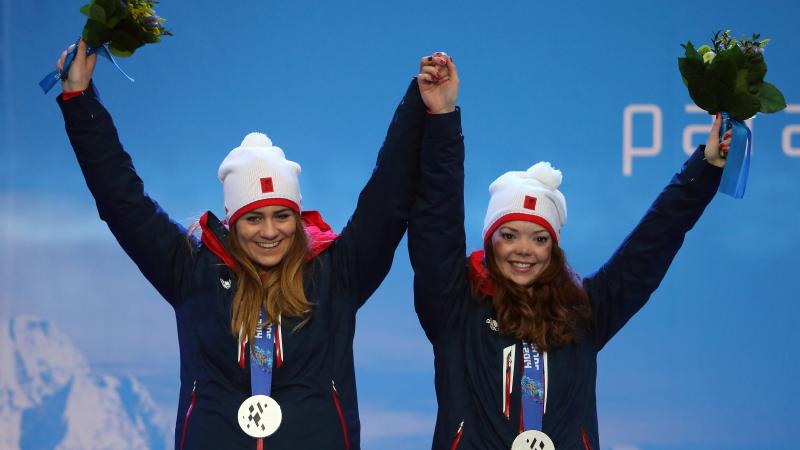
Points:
x=547, y=317
x=279, y=291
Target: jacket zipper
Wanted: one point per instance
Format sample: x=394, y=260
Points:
x=188, y=412
x=341, y=416
x=457, y=438
x=585, y=439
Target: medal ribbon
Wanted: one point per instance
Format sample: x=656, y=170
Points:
x=533, y=388
x=737, y=167
x=55, y=76
x=263, y=352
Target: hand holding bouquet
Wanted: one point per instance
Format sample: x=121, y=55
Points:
x=117, y=27
x=727, y=78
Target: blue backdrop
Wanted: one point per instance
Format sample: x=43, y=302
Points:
x=88, y=349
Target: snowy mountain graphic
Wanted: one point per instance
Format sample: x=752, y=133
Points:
x=49, y=397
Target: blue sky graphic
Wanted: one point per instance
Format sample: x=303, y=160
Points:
x=708, y=357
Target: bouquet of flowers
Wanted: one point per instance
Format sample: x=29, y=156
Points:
x=727, y=78
x=124, y=25
x=117, y=27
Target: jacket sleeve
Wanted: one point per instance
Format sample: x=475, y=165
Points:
x=157, y=245
x=624, y=284
x=436, y=237
x=364, y=250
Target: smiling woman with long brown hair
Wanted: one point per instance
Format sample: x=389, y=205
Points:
x=515, y=331
x=546, y=306
x=265, y=300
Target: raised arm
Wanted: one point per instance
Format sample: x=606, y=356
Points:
x=366, y=246
x=624, y=284
x=155, y=243
x=436, y=239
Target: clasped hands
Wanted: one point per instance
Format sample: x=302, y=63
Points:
x=438, y=83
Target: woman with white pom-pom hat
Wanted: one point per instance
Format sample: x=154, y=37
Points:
x=514, y=331
x=265, y=301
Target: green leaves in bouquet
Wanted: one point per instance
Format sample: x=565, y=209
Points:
x=743, y=105
x=103, y=16
x=693, y=72
x=125, y=39
x=721, y=74
x=730, y=79
x=122, y=44
x=95, y=33
x=94, y=12
x=756, y=68
x=771, y=98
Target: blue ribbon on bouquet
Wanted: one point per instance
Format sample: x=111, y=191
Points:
x=55, y=76
x=737, y=167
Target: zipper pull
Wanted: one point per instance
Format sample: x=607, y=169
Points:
x=335, y=392
x=194, y=387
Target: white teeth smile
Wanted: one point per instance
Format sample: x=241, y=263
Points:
x=522, y=265
x=268, y=244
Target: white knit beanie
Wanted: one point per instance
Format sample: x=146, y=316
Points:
x=257, y=174
x=532, y=196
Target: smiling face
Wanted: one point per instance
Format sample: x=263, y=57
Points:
x=521, y=251
x=266, y=234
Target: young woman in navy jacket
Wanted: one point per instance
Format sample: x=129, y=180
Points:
x=516, y=303
x=269, y=257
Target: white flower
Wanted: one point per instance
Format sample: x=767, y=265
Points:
x=708, y=56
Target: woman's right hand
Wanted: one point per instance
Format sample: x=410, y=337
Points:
x=438, y=83
x=81, y=70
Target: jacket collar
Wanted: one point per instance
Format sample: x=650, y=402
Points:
x=479, y=274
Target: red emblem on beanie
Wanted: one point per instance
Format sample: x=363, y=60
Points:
x=266, y=185
x=530, y=202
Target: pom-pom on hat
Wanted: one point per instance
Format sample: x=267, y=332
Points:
x=257, y=174
x=531, y=195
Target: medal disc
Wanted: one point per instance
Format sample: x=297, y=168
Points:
x=532, y=440
x=259, y=416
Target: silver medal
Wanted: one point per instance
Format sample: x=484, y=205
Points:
x=532, y=440
x=259, y=416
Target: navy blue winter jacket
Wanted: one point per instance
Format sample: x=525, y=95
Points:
x=469, y=352
x=315, y=385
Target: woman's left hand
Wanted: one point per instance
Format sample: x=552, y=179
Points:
x=438, y=83
x=717, y=152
